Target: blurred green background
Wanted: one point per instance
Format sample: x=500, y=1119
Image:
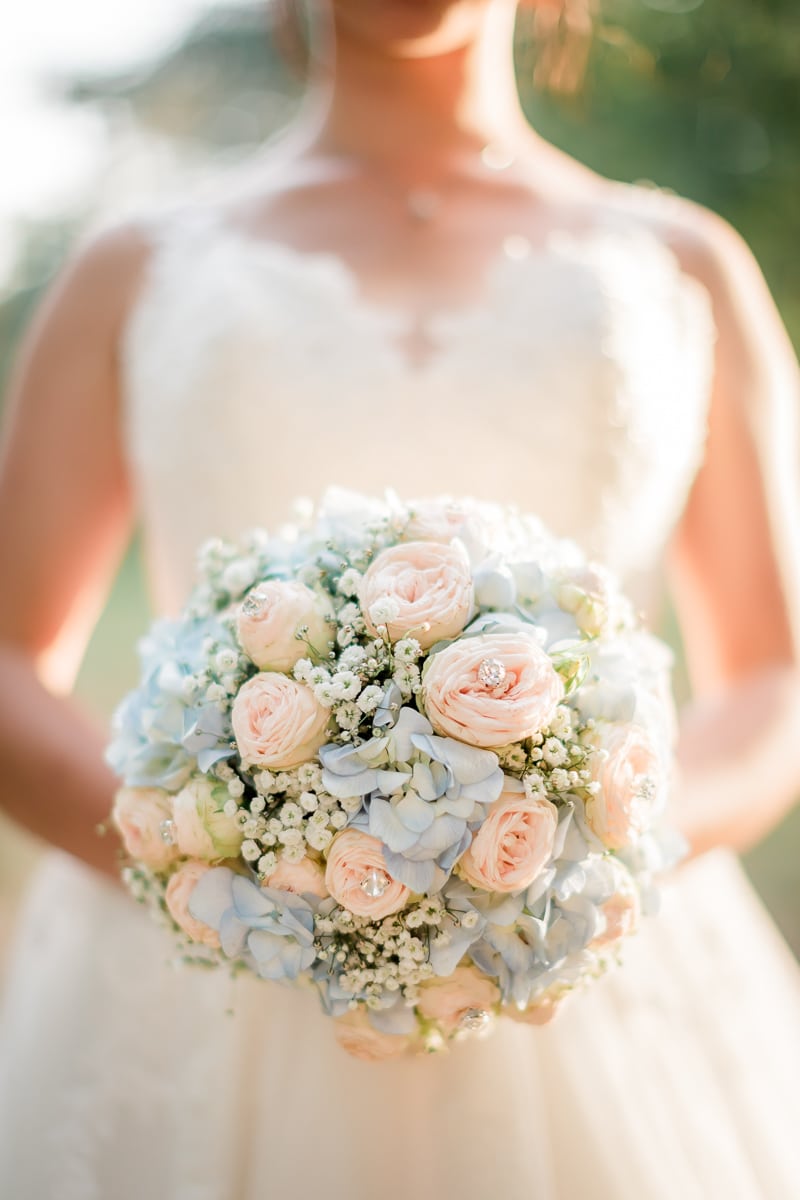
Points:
x=700, y=96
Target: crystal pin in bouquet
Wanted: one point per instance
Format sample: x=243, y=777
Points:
x=414, y=757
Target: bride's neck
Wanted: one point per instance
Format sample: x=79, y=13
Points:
x=419, y=111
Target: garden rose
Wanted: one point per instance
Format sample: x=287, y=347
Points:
x=358, y=1037
x=271, y=616
x=305, y=876
x=138, y=814
x=447, y=1000
x=621, y=911
x=541, y=1010
x=352, y=856
x=278, y=722
x=178, y=893
x=459, y=704
x=436, y=520
x=628, y=767
x=514, y=843
x=428, y=587
x=203, y=830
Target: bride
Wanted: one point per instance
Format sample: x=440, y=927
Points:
x=412, y=290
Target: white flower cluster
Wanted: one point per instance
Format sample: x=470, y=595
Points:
x=354, y=683
x=290, y=816
x=372, y=958
x=553, y=761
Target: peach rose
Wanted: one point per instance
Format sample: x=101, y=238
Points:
x=462, y=702
x=305, y=876
x=628, y=768
x=138, y=815
x=179, y=890
x=541, y=1010
x=358, y=1037
x=203, y=830
x=447, y=1000
x=427, y=587
x=351, y=858
x=621, y=911
x=278, y=722
x=514, y=843
x=272, y=614
x=436, y=520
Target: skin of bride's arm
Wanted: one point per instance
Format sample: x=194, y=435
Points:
x=67, y=518
x=733, y=565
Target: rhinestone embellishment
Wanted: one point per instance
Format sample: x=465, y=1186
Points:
x=474, y=1020
x=375, y=883
x=167, y=831
x=491, y=672
x=254, y=604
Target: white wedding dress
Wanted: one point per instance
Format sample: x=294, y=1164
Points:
x=578, y=387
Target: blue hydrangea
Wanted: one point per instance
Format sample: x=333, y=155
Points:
x=159, y=737
x=271, y=929
x=422, y=794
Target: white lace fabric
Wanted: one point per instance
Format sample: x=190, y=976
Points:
x=577, y=388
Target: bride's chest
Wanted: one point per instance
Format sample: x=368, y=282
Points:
x=577, y=386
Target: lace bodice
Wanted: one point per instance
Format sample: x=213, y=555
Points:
x=253, y=373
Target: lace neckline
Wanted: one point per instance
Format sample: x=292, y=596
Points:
x=614, y=250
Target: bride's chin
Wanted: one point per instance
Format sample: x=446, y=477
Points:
x=410, y=28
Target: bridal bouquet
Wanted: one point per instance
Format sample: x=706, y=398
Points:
x=413, y=757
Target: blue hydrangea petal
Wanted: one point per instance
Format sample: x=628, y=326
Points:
x=416, y=814
x=423, y=782
x=388, y=710
x=445, y=958
x=233, y=934
x=397, y=1018
x=420, y=877
x=387, y=826
x=212, y=896
x=410, y=724
x=469, y=764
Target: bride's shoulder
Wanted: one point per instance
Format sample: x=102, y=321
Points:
x=107, y=264
x=705, y=244
x=100, y=274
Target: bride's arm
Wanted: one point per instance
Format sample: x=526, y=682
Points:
x=66, y=519
x=734, y=562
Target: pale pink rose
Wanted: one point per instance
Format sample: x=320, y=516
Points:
x=352, y=855
x=358, y=1037
x=202, y=827
x=621, y=911
x=138, y=815
x=627, y=765
x=179, y=890
x=460, y=705
x=305, y=876
x=447, y=1000
x=267, y=634
x=513, y=845
x=436, y=520
x=278, y=722
x=428, y=585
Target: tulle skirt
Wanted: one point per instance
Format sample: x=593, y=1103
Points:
x=122, y=1075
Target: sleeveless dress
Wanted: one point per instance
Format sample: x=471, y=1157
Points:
x=578, y=387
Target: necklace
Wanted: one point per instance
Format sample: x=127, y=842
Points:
x=423, y=202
